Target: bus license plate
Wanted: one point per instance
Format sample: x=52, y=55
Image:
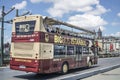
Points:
x=22, y=66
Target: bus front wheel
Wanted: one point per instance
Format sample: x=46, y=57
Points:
x=64, y=68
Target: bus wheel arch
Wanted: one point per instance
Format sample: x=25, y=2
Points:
x=64, y=67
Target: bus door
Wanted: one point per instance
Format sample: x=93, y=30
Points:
x=78, y=55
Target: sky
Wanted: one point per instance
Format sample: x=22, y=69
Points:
x=88, y=14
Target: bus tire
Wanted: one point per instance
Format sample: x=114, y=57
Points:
x=64, y=68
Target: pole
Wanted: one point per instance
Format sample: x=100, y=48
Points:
x=106, y=47
x=2, y=37
x=17, y=13
x=119, y=48
x=2, y=33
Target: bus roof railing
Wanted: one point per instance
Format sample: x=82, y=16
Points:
x=51, y=21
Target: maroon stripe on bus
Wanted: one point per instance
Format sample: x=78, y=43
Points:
x=35, y=37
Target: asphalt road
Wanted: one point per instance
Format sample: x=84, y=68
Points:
x=109, y=75
x=7, y=74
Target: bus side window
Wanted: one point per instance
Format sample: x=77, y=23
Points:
x=70, y=50
x=59, y=50
x=78, y=50
x=85, y=50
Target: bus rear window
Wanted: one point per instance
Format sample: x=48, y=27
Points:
x=25, y=28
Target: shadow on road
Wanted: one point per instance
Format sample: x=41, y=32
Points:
x=34, y=76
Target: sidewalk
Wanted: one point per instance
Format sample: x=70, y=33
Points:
x=3, y=67
x=110, y=75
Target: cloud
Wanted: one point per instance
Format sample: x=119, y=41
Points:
x=57, y=10
x=118, y=14
x=86, y=6
x=115, y=23
x=89, y=16
x=35, y=1
x=21, y=5
x=38, y=1
x=98, y=10
x=117, y=34
x=87, y=21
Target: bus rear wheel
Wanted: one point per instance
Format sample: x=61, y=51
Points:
x=64, y=68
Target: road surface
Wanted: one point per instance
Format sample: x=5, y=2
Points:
x=7, y=74
x=110, y=75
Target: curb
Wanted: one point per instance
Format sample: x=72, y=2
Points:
x=4, y=67
x=90, y=73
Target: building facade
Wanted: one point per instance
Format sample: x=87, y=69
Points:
x=107, y=44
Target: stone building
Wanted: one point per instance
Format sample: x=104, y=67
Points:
x=107, y=44
x=99, y=34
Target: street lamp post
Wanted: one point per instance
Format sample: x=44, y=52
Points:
x=2, y=36
x=2, y=29
x=2, y=32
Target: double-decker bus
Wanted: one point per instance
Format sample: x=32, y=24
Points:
x=42, y=45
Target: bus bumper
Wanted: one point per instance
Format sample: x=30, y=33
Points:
x=27, y=65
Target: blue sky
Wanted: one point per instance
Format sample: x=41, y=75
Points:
x=89, y=14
